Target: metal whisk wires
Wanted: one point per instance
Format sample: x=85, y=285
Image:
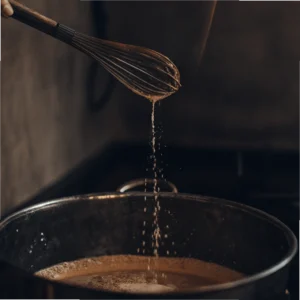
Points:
x=144, y=71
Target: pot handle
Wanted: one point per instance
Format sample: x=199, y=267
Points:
x=165, y=186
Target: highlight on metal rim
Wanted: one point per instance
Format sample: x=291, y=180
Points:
x=130, y=185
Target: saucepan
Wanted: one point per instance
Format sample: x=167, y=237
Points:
x=218, y=231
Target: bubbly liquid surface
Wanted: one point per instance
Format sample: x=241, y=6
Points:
x=129, y=274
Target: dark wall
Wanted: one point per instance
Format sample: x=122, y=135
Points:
x=245, y=91
x=46, y=127
x=243, y=94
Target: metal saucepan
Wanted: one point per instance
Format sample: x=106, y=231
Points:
x=227, y=233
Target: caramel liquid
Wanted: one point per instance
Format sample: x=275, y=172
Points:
x=128, y=273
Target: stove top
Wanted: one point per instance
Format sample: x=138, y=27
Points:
x=263, y=179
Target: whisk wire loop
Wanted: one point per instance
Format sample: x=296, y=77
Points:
x=144, y=71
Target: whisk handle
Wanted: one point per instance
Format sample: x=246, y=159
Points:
x=32, y=18
x=40, y=22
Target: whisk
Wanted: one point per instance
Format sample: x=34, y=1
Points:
x=144, y=71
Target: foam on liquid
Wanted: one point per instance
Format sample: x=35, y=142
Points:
x=129, y=274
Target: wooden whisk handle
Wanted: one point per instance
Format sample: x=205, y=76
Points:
x=42, y=23
x=32, y=18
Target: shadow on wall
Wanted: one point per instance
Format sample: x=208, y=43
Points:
x=46, y=128
x=99, y=83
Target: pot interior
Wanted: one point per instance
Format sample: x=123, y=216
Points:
x=212, y=230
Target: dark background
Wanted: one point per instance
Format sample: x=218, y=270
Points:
x=232, y=131
x=243, y=94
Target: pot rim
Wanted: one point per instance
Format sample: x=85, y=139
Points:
x=291, y=238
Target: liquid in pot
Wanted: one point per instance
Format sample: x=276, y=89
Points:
x=131, y=274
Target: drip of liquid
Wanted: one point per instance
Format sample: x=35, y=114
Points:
x=159, y=148
x=144, y=223
x=156, y=234
x=157, y=173
x=128, y=273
